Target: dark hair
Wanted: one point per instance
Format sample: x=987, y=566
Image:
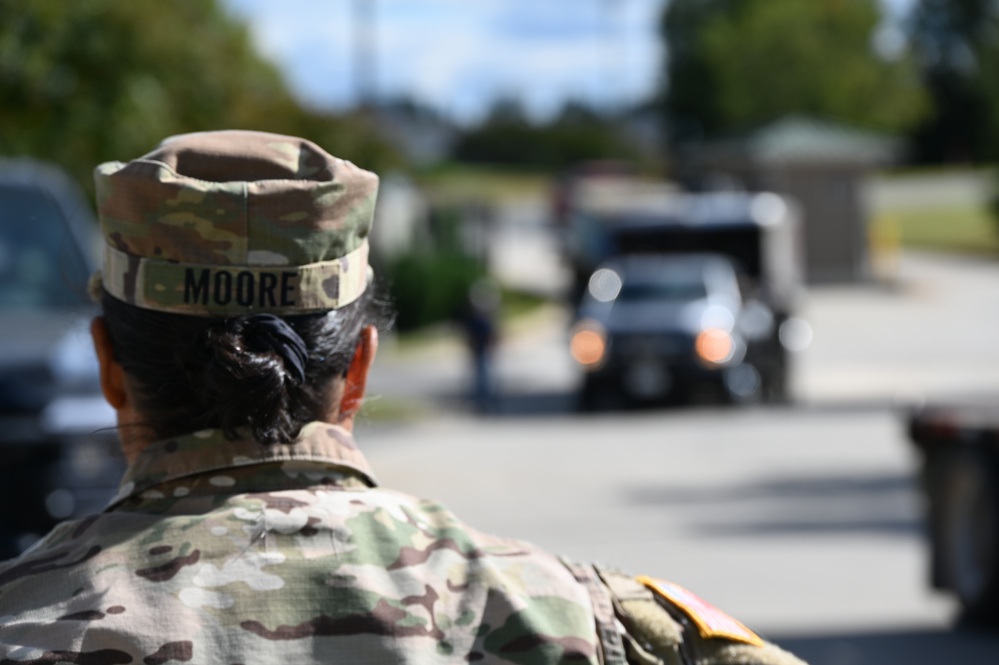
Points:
x=190, y=373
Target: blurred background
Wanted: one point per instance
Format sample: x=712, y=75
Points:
x=702, y=288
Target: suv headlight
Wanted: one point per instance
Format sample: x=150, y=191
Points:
x=588, y=344
x=714, y=347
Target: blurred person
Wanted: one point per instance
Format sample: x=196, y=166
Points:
x=237, y=332
x=479, y=320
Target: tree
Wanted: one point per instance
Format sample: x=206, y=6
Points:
x=733, y=64
x=85, y=82
x=957, y=47
x=690, y=99
x=508, y=137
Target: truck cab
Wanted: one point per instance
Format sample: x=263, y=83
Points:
x=658, y=326
x=734, y=256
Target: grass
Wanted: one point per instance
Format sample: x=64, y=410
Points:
x=518, y=303
x=965, y=229
x=952, y=211
x=454, y=184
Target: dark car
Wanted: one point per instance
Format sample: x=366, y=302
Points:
x=658, y=326
x=58, y=458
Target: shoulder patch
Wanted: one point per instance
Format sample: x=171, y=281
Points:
x=710, y=621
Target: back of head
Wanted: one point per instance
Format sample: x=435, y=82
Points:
x=235, y=281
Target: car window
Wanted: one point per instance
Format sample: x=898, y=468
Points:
x=40, y=263
x=683, y=290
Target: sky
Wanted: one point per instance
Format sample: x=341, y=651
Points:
x=460, y=56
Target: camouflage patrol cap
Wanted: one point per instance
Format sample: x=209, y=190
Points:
x=233, y=222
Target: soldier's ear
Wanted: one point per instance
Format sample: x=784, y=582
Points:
x=356, y=381
x=112, y=374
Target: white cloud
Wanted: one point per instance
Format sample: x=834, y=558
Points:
x=460, y=56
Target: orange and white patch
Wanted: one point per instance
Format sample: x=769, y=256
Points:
x=710, y=621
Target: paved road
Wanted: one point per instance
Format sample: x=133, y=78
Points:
x=931, y=334
x=803, y=521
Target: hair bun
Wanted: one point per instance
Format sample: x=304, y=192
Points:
x=266, y=332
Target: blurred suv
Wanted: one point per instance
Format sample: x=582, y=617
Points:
x=652, y=327
x=58, y=457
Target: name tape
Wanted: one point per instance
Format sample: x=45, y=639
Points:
x=230, y=290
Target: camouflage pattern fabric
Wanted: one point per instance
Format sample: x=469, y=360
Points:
x=219, y=551
x=283, y=555
x=289, y=235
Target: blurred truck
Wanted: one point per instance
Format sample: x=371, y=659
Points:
x=959, y=452
x=58, y=456
x=677, y=290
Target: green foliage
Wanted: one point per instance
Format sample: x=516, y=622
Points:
x=430, y=286
x=964, y=229
x=430, y=283
x=957, y=45
x=957, y=42
x=508, y=138
x=90, y=81
x=691, y=94
x=953, y=34
x=739, y=63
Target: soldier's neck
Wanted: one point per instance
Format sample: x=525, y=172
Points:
x=133, y=436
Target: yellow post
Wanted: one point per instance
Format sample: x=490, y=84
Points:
x=885, y=237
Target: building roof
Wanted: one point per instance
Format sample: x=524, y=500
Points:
x=800, y=139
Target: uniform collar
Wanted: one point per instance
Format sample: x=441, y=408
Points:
x=209, y=450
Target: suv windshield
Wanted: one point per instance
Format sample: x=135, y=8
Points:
x=40, y=263
x=664, y=290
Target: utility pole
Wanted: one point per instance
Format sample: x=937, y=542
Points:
x=616, y=47
x=365, y=52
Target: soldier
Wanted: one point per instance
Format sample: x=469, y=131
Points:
x=235, y=341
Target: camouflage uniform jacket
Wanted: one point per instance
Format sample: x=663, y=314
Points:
x=217, y=551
